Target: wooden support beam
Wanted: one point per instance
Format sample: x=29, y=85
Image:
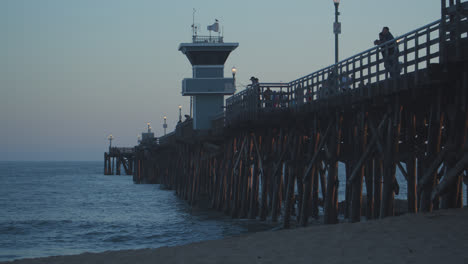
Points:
x=348, y=191
x=432, y=169
x=369, y=174
x=360, y=136
x=318, y=148
x=244, y=182
x=376, y=133
x=112, y=166
x=278, y=180
x=266, y=177
x=307, y=199
x=411, y=164
x=276, y=206
x=402, y=170
x=105, y=163
x=237, y=180
x=436, y=120
x=315, y=191
x=239, y=155
x=323, y=181
x=391, y=151
x=369, y=149
x=257, y=171
x=292, y=168
x=300, y=191
x=259, y=157
x=331, y=203
x=451, y=176
x=253, y=207
x=289, y=196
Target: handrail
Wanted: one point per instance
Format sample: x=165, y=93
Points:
x=370, y=49
x=166, y=138
x=380, y=66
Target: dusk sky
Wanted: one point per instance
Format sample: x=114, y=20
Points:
x=73, y=72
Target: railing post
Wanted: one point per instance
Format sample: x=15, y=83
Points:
x=416, y=58
x=428, y=47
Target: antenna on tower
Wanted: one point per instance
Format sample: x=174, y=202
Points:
x=194, y=27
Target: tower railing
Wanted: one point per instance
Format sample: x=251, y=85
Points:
x=207, y=39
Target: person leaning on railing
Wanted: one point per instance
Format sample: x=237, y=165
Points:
x=256, y=85
x=389, y=50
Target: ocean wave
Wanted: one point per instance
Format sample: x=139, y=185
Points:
x=8, y=257
x=24, y=227
x=119, y=238
x=12, y=230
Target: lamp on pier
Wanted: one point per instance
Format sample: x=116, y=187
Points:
x=149, y=127
x=165, y=125
x=110, y=138
x=336, y=28
x=234, y=71
x=180, y=113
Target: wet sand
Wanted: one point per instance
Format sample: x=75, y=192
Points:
x=439, y=237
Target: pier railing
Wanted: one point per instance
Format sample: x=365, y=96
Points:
x=246, y=104
x=167, y=139
x=121, y=151
x=218, y=123
x=384, y=69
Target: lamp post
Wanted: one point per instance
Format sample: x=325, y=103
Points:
x=138, y=138
x=149, y=127
x=336, y=28
x=110, y=138
x=234, y=70
x=180, y=114
x=165, y=125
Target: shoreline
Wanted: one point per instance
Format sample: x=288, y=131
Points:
x=420, y=238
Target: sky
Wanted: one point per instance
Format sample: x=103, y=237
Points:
x=73, y=72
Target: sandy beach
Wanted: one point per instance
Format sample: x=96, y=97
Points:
x=439, y=237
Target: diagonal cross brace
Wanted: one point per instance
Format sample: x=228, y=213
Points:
x=375, y=140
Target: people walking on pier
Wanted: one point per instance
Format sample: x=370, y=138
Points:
x=345, y=82
x=308, y=95
x=298, y=96
x=389, y=51
x=255, y=85
x=332, y=83
x=267, y=97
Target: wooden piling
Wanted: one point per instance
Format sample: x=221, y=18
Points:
x=433, y=147
x=369, y=189
x=360, y=134
x=411, y=164
x=331, y=204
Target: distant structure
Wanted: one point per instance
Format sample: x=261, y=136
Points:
x=207, y=54
x=118, y=157
x=148, y=136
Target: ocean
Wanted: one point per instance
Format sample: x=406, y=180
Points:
x=63, y=208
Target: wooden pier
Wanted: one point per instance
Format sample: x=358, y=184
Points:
x=117, y=158
x=274, y=151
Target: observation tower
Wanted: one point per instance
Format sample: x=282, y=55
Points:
x=207, y=54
